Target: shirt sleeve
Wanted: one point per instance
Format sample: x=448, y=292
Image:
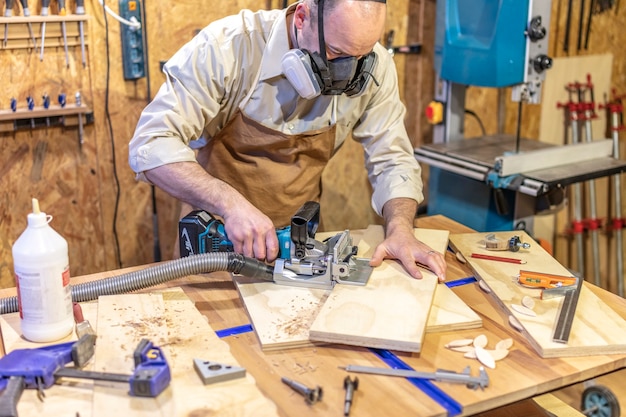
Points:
x=180, y=111
x=392, y=168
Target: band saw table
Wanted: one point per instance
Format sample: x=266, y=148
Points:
x=493, y=183
x=518, y=377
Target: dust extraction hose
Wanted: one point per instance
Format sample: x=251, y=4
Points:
x=158, y=274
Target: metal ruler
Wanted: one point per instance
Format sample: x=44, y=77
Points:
x=567, y=313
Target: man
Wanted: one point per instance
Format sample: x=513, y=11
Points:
x=267, y=98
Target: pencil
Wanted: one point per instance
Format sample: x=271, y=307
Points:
x=497, y=258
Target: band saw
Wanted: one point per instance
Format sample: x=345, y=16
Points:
x=498, y=182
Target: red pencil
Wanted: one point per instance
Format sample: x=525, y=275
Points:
x=497, y=258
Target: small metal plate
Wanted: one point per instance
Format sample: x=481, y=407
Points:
x=212, y=372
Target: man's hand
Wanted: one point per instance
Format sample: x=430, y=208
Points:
x=251, y=232
x=410, y=252
x=400, y=243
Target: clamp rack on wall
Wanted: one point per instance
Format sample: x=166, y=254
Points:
x=18, y=36
x=70, y=115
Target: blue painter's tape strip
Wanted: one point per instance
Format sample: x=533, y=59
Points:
x=430, y=389
x=234, y=330
x=459, y=282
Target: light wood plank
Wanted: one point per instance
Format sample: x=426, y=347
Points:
x=183, y=334
x=390, y=312
x=596, y=329
x=282, y=315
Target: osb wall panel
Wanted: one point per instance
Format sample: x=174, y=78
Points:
x=49, y=163
x=106, y=216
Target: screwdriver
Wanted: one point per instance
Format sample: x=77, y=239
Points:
x=7, y=13
x=80, y=10
x=26, y=12
x=44, y=12
x=63, y=12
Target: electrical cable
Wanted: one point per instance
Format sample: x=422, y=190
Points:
x=133, y=23
x=155, y=217
x=480, y=122
x=111, y=136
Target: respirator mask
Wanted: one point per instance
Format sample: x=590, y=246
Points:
x=312, y=74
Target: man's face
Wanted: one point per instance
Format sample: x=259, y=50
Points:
x=351, y=28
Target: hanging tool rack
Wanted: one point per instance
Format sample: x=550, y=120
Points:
x=69, y=115
x=18, y=36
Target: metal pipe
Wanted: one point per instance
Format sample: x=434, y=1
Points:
x=577, y=222
x=593, y=221
x=615, y=121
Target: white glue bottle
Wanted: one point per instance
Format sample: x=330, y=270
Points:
x=42, y=277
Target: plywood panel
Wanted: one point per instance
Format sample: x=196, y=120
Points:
x=390, y=312
x=282, y=315
x=587, y=337
x=184, y=335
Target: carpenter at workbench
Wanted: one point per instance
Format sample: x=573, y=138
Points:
x=268, y=97
x=523, y=374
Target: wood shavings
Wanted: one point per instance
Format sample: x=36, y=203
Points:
x=504, y=344
x=483, y=286
x=462, y=348
x=523, y=310
x=477, y=349
x=485, y=357
x=528, y=302
x=459, y=343
x=480, y=341
x=515, y=323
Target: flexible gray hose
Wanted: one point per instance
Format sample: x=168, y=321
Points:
x=158, y=274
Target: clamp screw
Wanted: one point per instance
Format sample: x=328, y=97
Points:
x=515, y=244
x=311, y=395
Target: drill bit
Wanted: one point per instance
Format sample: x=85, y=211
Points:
x=26, y=12
x=80, y=10
x=350, y=386
x=44, y=12
x=63, y=12
x=80, y=119
x=311, y=395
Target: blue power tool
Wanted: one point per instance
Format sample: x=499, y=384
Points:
x=39, y=368
x=200, y=232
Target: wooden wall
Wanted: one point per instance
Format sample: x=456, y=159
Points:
x=106, y=216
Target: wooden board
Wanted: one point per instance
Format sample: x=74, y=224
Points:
x=282, y=315
x=596, y=329
x=390, y=312
x=169, y=320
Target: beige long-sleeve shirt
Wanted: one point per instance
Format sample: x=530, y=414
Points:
x=235, y=64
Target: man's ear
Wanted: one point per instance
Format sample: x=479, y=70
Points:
x=301, y=14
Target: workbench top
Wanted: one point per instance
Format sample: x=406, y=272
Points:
x=521, y=375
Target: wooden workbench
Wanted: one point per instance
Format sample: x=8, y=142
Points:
x=521, y=375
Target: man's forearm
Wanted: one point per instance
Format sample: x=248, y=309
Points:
x=399, y=213
x=189, y=182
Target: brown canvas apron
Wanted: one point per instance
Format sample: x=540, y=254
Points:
x=277, y=173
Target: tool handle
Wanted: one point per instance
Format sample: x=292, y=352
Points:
x=45, y=4
x=11, y=396
x=80, y=6
x=8, y=12
x=62, y=11
x=25, y=8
